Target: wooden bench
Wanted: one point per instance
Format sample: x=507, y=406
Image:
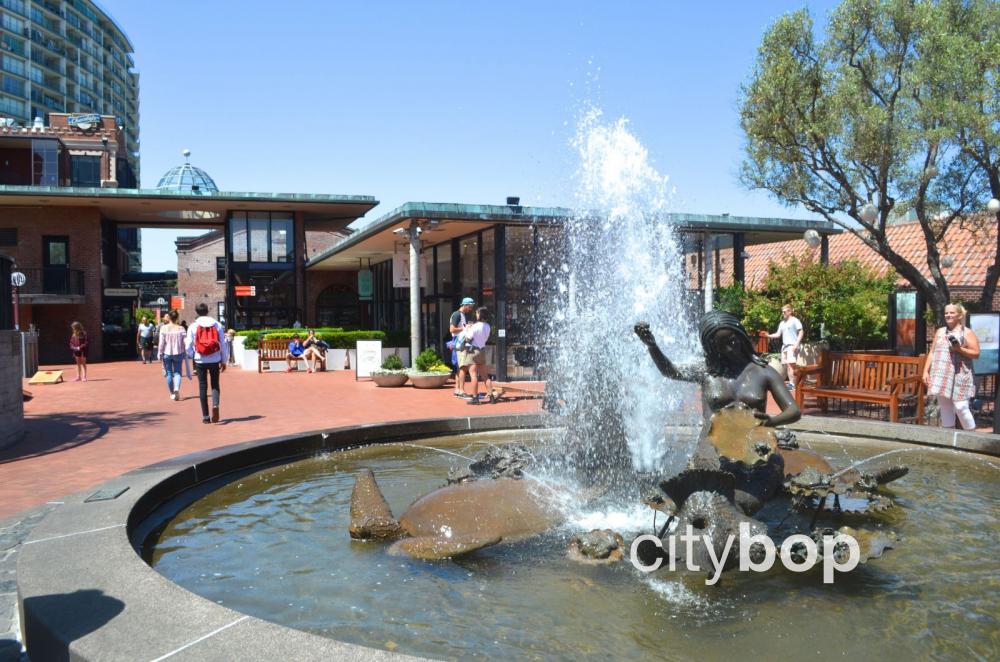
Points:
x=277, y=350
x=873, y=378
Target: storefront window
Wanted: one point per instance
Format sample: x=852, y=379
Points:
x=263, y=237
x=468, y=252
x=259, y=222
x=282, y=243
x=522, y=302
x=238, y=236
x=443, y=257
x=489, y=262
x=44, y=163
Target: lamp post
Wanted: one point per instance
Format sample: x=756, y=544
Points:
x=412, y=233
x=17, y=281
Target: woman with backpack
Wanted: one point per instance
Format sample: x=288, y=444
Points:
x=206, y=345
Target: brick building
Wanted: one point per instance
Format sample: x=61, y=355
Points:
x=201, y=277
x=66, y=242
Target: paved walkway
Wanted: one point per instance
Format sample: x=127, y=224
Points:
x=82, y=434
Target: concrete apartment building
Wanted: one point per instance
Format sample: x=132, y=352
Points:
x=67, y=56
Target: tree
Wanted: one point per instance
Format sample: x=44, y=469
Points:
x=896, y=112
x=847, y=300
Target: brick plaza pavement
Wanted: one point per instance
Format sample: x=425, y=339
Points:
x=82, y=434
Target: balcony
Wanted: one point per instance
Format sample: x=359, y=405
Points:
x=52, y=285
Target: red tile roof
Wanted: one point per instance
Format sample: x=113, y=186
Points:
x=972, y=247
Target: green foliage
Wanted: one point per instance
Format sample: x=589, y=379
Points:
x=849, y=300
x=336, y=337
x=899, y=106
x=429, y=361
x=392, y=362
x=252, y=339
x=730, y=299
x=145, y=312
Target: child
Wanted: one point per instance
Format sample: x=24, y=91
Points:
x=79, y=344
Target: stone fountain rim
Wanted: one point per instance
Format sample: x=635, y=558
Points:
x=112, y=605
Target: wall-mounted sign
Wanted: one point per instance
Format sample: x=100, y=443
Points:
x=160, y=301
x=120, y=292
x=369, y=357
x=84, y=122
x=17, y=279
x=246, y=290
x=401, y=269
x=365, y=286
x=177, y=303
x=986, y=326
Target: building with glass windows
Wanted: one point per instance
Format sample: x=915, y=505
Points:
x=66, y=242
x=67, y=56
x=498, y=255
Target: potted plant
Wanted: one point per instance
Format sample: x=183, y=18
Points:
x=248, y=358
x=429, y=371
x=391, y=373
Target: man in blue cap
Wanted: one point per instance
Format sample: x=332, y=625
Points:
x=459, y=319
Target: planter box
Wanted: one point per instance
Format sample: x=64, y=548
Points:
x=335, y=359
x=248, y=359
x=429, y=381
x=390, y=380
x=238, y=349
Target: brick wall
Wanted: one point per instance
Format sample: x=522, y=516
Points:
x=11, y=402
x=83, y=227
x=196, y=277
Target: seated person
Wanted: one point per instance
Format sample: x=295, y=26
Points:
x=315, y=351
x=295, y=352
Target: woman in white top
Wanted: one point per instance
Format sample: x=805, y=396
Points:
x=172, y=353
x=474, y=355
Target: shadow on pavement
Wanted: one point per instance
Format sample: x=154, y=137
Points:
x=53, y=433
x=71, y=615
x=227, y=421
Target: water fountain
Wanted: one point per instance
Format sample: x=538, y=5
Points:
x=260, y=535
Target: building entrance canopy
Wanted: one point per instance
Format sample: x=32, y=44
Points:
x=152, y=207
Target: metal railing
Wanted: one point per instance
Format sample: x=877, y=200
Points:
x=53, y=280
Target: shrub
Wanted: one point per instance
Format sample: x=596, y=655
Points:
x=848, y=300
x=392, y=362
x=429, y=361
x=145, y=312
x=336, y=339
x=252, y=339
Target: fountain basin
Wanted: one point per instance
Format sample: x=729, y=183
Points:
x=84, y=589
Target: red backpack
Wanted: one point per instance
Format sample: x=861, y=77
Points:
x=206, y=340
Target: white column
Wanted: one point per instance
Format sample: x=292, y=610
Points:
x=414, y=235
x=709, y=261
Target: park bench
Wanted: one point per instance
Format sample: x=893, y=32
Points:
x=277, y=350
x=880, y=379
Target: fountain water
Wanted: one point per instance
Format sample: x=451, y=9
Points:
x=621, y=261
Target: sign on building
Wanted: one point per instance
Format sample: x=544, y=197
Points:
x=401, y=269
x=245, y=290
x=365, y=285
x=120, y=292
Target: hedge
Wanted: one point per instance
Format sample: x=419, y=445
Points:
x=336, y=339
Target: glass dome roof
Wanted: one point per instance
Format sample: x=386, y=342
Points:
x=187, y=179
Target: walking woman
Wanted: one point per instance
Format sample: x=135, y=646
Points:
x=948, y=370
x=172, y=353
x=79, y=344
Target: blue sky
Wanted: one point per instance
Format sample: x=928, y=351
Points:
x=442, y=101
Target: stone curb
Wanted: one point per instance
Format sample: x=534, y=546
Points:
x=84, y=593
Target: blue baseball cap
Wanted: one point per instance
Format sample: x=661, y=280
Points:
x=468, y=301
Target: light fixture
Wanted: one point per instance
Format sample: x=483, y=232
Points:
x=399, y=231
x=868, y=213
x=812, y=238
x=947, y=261
x=993, y=206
